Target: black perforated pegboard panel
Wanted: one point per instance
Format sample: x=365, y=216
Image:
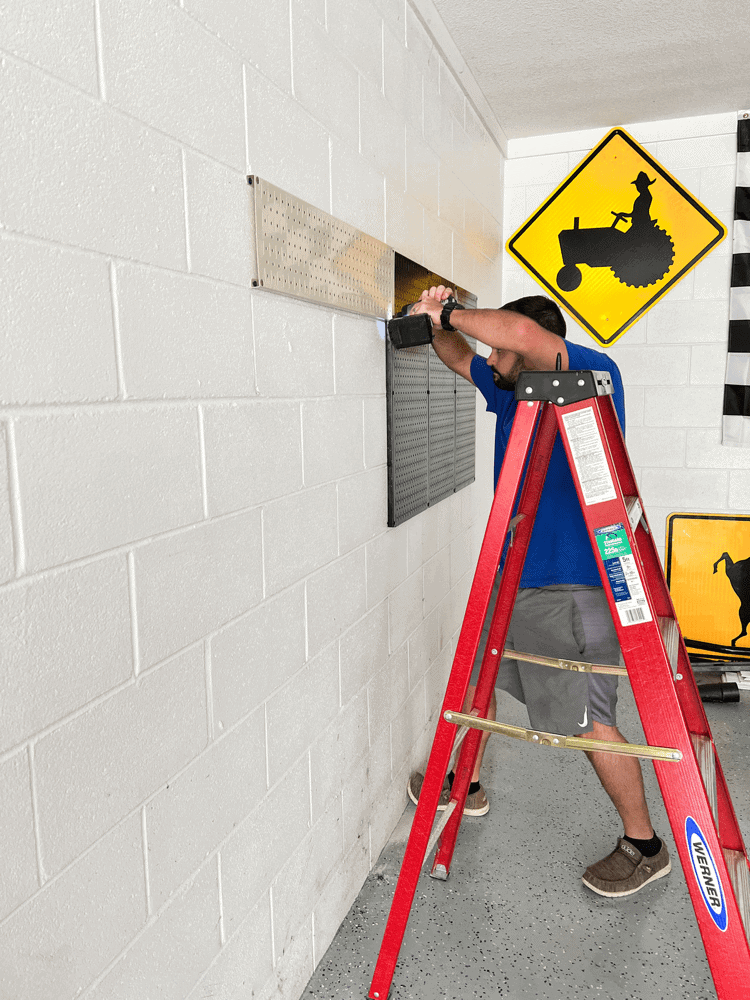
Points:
x=431, y=431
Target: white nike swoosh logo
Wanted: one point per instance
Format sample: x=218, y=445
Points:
x=585, y=717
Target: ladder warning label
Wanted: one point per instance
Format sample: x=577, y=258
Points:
x=589, y=457
x=623, y=575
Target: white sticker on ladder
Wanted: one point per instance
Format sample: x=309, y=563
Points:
x=589, y=456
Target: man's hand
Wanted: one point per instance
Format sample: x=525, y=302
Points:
x=431, y=302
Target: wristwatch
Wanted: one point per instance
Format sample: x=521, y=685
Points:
x=448, y=306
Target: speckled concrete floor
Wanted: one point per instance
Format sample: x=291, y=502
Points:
x=514, y=920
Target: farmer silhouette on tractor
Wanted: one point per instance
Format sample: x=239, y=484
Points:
x=638, y=256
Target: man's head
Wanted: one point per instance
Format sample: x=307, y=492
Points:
x=543, y=311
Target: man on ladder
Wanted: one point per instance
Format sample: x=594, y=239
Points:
x=560, y=610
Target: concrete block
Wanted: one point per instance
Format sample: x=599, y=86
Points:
x=252, y=657
x=438, y=242
x=315, y=9
x=253, y=453
x=357, y=30
x=332, y=439
x=461, y=557
x=422, y=48
x=276, y=123
x=522, y=171
x=634, y=405
x=92, y=481
x=684, y=489
x=336, y=598
x=325, y=82
x=705, y=450
x=363, y=508
x=387, y=566
x=402, y=77
x=739, y=490
x=436, y=579
x=204, y=345
x=245, y=963
x=464, y=263
x=65, y=639
x=336, y=751
x=75, y=173
x=387, y=693
x=191, y=584
x=382, y=134
x=262, y=35
x=404, y=222
x=435, y=683
x=451, y=201
x=357, y=190
x=296, y=889
x=712, y=276
x=405, y=609
x=338, y=895
x=451, y=610
x=171, y=955
x=422, y=170
x=219, y=230
x=7, y=552
x=656, y=447
x=301, y=710
x=261, y=845
x=363, y=650
x=652, y=365
x=390, y=810
x=717, y=186
x=57, y=38
x=20, y=878
x=58, y=344
x=376, y=431
x=94, y=770
x=424, y=646
x=701, y=151
x=164, y=69
x=408, y=725
x=451, y=93
x=300, y=336
x=707, y=364
x=359, y=352
x=300, y=536
x=683, y=406
x=293, y=969
x=70, y=931
x=357, y=805
x=196, y=811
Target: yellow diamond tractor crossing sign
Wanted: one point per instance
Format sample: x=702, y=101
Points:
x=614, y=237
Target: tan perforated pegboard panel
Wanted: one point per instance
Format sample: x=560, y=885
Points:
x=305, y=252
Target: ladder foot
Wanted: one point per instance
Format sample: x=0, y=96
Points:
x=441, y=872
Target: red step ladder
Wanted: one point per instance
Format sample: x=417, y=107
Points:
x=578, y=406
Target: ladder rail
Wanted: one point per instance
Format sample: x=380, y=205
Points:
x=498, y=631
x=660, y=709
x=479, y=599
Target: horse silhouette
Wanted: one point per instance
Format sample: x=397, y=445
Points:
x=739, y=576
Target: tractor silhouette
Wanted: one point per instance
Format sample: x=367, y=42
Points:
x=739, y=576
x=638, y=256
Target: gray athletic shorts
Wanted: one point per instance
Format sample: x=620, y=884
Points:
x=569, y=623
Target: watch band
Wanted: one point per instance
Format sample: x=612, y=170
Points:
x=448, y=306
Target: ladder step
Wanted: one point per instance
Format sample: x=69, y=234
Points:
x=635, y=511
x=670, y=633
x=740, y=876
x=704, y=751
x=578, y=665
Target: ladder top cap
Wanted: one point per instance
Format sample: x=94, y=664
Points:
x=562, y=388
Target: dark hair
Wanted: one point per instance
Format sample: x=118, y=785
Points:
x=541, y=309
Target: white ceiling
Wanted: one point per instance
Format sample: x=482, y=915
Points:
x=547, y=66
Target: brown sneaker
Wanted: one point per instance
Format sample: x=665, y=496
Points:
x=625, y=870
x=475, y=805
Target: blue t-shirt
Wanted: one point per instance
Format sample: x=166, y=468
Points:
x=559, y=547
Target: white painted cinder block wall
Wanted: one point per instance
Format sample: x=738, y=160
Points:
x=218, y=666
x=673, y=359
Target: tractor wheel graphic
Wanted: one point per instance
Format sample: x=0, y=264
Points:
x=644, y=261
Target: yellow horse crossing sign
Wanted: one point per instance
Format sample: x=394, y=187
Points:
x=614, y=237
